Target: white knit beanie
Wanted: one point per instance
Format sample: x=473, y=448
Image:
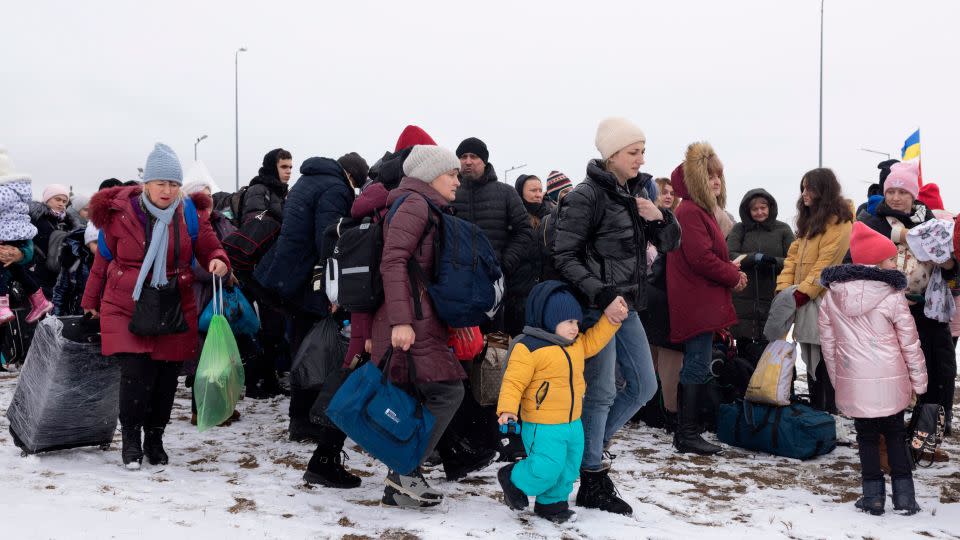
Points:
x=615, y=134
x=198, y=177
x=426, y=162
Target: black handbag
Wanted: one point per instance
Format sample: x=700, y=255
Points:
x=159, y=312
x=926, y=432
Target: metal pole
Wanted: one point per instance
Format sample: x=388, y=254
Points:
x=506, y=173
x=236, y=113
x=820, y=159
x=199, y=139
x=876, y=152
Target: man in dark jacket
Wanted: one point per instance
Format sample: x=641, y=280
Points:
x=265, y=195
x=322, y=195
x=498, y=211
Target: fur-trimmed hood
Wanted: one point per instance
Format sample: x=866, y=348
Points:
x=853, y=287
x=106, y=203
x=694, y=184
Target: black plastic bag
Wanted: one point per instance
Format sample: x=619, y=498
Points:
x=320, y=354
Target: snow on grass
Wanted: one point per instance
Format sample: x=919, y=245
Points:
x=244, y=481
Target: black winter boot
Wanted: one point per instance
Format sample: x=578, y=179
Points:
x=460, y=458
x=512, y=495
x=153, y=446
x=904, y=498
x=326, y=468
x=874, y=497
x=597, y=491
x=687, y=438
x=131, y=452
x=558, y=512
x=670, y=421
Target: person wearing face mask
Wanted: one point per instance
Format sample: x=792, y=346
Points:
x=700, y=278
x=899, y=212
x=146, y=233
x=600, y=249
x=824, y=222
x=763, y=242
x=530, y=270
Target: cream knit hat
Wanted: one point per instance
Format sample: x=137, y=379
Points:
x=428, y=162
x=614, y=134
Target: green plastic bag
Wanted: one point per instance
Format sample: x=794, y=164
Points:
x=219, y=379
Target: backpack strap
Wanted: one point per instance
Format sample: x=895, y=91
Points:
x=190, y=215
x=414, y=271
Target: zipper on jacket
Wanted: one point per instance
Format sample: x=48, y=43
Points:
x=569, y=365
x=542, y=392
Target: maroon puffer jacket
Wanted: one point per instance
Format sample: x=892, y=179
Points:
x=109, y=289
x=403, y=238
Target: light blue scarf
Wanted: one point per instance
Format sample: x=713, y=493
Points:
x=156, y=257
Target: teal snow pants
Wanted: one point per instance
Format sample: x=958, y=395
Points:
x=554, y=452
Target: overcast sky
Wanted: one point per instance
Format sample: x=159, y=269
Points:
x=86, y=88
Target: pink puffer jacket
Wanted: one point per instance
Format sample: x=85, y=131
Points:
x=869, y=341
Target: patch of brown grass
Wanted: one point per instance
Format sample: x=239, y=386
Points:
x=242, y=505
x=292, y=461
x=248, y=461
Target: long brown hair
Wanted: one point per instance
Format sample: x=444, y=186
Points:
x=827, y=208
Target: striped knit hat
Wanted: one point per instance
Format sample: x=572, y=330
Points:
x=556, y=183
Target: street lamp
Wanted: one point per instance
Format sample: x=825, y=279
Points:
x=506, y=173
x=876, y=152
x=199, y=139
x=820, y=161
x=236, y=111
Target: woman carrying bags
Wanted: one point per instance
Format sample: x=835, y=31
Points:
x=147, y=234
x=824, y=222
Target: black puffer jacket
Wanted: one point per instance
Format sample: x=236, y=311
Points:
x=265, y=193
x=498, y=210
x=46, y=222
x=601, y=240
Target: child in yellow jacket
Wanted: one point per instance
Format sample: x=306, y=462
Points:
x=544, y=382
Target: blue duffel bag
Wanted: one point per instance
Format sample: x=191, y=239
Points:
x=390, y=424
x=796, y=431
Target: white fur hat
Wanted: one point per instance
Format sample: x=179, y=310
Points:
x=197, y=178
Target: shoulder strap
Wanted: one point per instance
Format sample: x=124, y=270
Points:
x=192, y=219
x=102, y=246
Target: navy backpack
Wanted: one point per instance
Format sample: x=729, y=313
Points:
x=189, y=215
x=466, y=286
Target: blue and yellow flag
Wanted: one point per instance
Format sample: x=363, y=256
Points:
x=911, y=147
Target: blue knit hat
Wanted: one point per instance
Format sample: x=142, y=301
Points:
x=163, y=164
x=561, y=306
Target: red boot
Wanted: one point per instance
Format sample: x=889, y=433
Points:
x=41, y=306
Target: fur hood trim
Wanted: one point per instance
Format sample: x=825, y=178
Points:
x=697, y=178
x=857, y=272
x=104, y=204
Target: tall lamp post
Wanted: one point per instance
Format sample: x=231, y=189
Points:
x=236, y=111
x=820, y=160
x=876, y=152
x=506, y=173
x=199, y=140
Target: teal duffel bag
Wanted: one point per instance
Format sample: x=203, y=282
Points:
x=796, y=431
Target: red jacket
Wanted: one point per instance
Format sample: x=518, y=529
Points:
x=402, y=239
x=700, y=275
x=110, y=285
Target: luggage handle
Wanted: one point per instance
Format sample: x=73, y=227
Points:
x=411, y=376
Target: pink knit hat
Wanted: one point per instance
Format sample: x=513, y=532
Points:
x=867, y=246
x=53, y=190
x=904, y=175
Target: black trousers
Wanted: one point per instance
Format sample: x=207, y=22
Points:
x=147, y=389
x=868, y=439
x=941, y=359
x=822, y=394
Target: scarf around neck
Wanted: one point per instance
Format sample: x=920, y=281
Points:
x=155, y=259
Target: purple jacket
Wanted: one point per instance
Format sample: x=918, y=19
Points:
x=869, y=341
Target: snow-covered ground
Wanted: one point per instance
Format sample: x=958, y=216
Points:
x=244, y=481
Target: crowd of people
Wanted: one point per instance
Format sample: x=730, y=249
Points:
x=652, y=270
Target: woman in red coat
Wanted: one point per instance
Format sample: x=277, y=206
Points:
x=431, y=175
x=700, y=278
x=149, y=365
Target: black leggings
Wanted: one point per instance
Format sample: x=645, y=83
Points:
x=147, y=389
x=868, y=439
x=21, y=275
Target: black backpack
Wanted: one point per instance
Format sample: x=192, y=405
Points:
x=352, y=273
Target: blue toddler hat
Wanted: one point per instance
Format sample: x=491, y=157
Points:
x=163, y=164
x=561, y=306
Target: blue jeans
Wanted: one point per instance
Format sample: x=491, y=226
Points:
x=605, y=409
x=697, y=355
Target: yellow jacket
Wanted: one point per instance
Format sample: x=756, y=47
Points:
x=547, y=382
x=808, y=257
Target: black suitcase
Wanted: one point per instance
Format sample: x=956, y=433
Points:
x=67, y=394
